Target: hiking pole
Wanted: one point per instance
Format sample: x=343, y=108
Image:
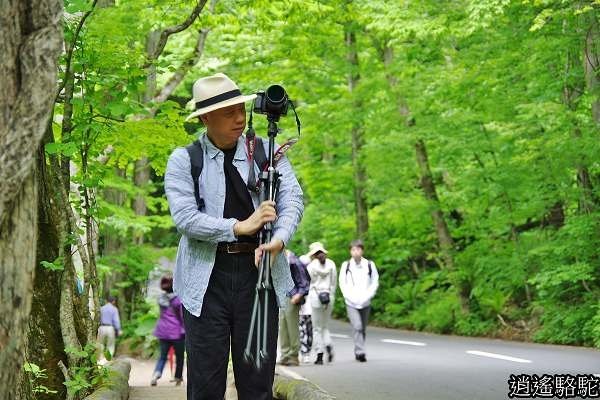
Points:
x=259, y=325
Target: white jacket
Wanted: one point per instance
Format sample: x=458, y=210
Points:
x=356, y=285
x=322, y=279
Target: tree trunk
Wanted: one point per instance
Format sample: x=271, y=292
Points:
x=445, y=241
x=31, y=43
x=45, y=346
x=571, y=97
x=18, y=237
x=141, y=172
x=360, y=174
x=591, y=62
x=443, y=233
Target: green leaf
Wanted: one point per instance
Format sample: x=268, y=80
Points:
x=52, y=266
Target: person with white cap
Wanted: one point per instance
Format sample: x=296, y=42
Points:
x=323, y=280
x=219, y=218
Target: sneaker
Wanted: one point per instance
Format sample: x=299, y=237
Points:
x=154, y=379
x=305, y=358
x=361, y=358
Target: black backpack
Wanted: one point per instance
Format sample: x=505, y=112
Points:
x=196, y=153
x=348, y=270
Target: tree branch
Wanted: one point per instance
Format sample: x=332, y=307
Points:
x=72, y=47
x=178, y=76
x=164, y=35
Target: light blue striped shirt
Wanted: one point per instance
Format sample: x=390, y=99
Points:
x=109, y=315
x=201, y=231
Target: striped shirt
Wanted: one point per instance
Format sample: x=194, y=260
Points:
x=109, y=315
x=201, y=231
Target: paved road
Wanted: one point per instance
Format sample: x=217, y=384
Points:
x=140, y=389
x=418, y=366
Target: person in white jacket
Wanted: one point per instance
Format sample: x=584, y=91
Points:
x=358, y=282
x=323, y=283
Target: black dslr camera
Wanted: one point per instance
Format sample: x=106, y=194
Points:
x=273, y=102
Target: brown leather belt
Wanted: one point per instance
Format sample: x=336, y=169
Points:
x=236, y=247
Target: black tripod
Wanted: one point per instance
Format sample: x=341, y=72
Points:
x=269, y=186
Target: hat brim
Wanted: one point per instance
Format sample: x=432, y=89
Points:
x=222, y=104
x=315, y=251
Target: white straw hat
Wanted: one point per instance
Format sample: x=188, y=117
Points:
x=214, y=92
x=315, y=247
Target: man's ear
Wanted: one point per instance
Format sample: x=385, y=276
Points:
x=203, y=118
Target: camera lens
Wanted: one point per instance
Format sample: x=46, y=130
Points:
x=275, y=94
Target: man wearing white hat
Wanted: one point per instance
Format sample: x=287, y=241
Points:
x=215, y=274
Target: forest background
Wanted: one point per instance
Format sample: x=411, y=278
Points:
x=459, y=139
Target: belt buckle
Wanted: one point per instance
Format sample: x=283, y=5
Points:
x=229, y=251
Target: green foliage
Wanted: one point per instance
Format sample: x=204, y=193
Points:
x=36, y=376
x=88, y=375
x=139, y=331
x=56, y=265
x=436, y=313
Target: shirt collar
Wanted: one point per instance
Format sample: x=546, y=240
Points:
x=212, y=150
x=358, y=264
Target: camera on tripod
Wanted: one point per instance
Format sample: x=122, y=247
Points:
x=273, y=101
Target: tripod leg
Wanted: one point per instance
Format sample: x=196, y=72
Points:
x=248, y=350
x=264, y=350
x=259, y=333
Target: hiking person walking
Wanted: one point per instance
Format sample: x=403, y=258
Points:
x=359, y=281
x=289, y=331
x=110, y=326
x=170, y=331
x=323, y=281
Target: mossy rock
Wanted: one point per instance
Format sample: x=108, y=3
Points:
x=296, y=389
x=116, y=387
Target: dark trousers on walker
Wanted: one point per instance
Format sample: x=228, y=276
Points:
x=165, y=345
x=225, y=316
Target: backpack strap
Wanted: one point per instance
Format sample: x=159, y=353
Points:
x=348, y=269
x=196, y=154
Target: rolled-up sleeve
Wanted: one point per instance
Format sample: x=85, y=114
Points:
x=179, y=188
x=289, y=203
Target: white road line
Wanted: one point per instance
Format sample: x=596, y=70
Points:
x=404, y=342
x=291, y=373
x=339, y=335
x=498, y=356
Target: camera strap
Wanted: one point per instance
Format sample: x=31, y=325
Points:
x=251, y=145
x=298, y=124
x=253, y=185
x=261, y=158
